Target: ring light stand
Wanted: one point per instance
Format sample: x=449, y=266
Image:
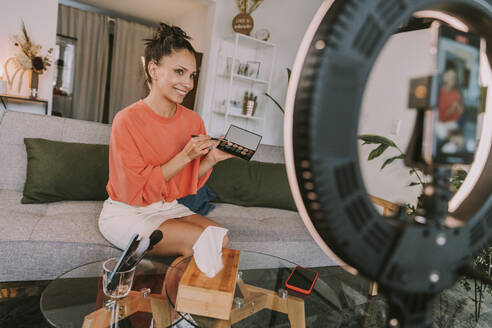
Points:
x=411, y=262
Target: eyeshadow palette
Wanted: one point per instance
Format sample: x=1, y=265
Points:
x=240, y=142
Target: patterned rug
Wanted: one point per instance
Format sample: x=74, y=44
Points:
x=19, y=305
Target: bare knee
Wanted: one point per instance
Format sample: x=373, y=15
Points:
x=186, y=251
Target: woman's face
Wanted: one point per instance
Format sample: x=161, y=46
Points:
x=173, y=77
x=450, y=78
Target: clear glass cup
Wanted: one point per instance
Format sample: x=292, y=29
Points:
x=124, y=280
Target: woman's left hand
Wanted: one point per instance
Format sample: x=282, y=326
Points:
x=218, y=155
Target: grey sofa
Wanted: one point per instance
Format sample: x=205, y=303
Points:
x=42, y=241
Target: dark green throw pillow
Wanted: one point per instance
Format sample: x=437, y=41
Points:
x=239, y=182
x=65, y=171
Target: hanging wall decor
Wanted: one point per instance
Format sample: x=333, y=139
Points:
x=243, y=22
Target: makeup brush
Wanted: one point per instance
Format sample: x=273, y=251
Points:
x=212, y=138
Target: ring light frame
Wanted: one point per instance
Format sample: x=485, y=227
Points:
x=320, y=137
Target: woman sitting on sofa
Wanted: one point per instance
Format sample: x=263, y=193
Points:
x=154, y=159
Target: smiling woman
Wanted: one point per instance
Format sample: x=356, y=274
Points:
x=153, y=158
x=170, y=67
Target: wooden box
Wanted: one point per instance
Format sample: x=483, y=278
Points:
x=210, y=297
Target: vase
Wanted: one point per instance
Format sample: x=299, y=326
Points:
x=33, y=84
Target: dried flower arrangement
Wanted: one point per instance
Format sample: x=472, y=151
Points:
x=29, y=58
x=242, y=5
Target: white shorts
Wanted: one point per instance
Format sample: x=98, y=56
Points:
x=118, y=221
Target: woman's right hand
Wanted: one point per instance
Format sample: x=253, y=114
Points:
x=197, y=147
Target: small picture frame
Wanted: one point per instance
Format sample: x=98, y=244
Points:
x=253, y=69
x=242, y=69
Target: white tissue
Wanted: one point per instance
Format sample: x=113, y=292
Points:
x=207, y=250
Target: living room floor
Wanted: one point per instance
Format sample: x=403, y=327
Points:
x=19, y=306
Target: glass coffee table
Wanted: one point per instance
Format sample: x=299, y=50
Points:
x=75, y=299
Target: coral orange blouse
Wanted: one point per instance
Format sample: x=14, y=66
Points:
x=142, y=141
x=446, y=100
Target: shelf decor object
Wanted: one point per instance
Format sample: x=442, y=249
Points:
x=262, y=34
x=28, y=60
x=249, y=103
x=243, y=22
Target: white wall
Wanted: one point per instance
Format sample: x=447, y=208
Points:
x=405, y=56
x=193, y=23
x=287, y=21
x=40, y=18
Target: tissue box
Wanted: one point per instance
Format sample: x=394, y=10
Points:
x=210, y=297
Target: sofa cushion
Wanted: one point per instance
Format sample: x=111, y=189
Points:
x=15, y=126
x=236, y=181
x=65, y=171
x=259, y=224
x=65, y=221
x=271, y=231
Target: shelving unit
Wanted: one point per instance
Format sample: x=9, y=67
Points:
x=231, y=86
x=242, y=116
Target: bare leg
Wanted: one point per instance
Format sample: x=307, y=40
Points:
x=179, y=238
x=204, y=222
x=181, y=234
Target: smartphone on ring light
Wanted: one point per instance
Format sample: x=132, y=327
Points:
x=302, y=280
x=450, y=128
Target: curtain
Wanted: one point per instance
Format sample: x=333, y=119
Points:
x=91, y=59
x=127, y=70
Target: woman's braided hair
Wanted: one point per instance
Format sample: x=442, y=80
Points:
x=166, y=40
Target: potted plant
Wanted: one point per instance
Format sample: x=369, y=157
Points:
x=249, y=103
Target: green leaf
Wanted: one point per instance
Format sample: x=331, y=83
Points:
x=460, y=175
x=276, y=103
x=377, y=151
x=375, y=139
x=391, y=160
x=414, y=184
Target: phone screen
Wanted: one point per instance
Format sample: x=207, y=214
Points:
x=457, y=94
x=243, y=137
x=302, y=278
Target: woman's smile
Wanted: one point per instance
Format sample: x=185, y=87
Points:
x=181, y=91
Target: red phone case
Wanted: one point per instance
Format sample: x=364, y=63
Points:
x=300, y=290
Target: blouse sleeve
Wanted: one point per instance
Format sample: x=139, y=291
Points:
x=204, y=178
x=134, y=181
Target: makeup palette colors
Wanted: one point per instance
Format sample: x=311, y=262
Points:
x=240, y=142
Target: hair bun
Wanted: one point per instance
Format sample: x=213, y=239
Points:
x=165, y=31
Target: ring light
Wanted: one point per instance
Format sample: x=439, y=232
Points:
x=412, y=262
